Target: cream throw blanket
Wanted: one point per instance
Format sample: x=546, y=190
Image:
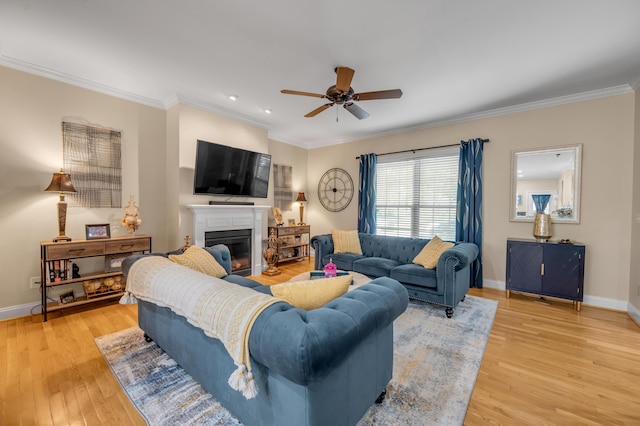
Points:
x=223, y=310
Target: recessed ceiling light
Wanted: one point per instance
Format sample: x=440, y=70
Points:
x=267, y=111
x=233, y=97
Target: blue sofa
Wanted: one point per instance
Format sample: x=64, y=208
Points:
x=321, y=367
x=384, y=256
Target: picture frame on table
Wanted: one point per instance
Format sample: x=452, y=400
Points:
x=97, y=231
x=291, y=222
x=67, y=297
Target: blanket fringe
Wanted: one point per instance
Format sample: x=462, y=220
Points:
x=242, y=381
x=128, y=299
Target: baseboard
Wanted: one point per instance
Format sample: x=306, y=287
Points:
x=634, y=313
x=598, y=302
x=19, y=310
x=604, y=302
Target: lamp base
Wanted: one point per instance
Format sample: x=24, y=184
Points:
x=61, y=238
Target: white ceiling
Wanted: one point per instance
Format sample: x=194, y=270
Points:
x=453, y=59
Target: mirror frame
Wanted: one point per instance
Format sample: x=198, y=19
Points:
x=577, y=183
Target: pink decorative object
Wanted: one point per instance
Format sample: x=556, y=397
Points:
x=330, y=269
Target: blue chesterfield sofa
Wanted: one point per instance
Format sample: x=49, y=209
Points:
x=384, y=256
x=326, y=366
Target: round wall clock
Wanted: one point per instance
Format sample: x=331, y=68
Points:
x=335, y=189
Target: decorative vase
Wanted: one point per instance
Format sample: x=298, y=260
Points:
x=271, y=255
x=542, y=221
x=131, y=219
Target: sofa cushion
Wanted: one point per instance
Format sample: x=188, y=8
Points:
x=429, y=255
x=415, y=274
x=346, y=242
x=344, y=261
x=200, y=260
x=312, y=294
x=375, y=266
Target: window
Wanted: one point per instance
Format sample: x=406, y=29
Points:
x=416, y=194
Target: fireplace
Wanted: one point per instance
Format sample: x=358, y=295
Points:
x=239, y=243
x=209, y=218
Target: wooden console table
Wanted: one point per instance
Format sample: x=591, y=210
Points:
x=55, y=267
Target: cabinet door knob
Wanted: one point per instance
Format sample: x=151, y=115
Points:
x=542, y=269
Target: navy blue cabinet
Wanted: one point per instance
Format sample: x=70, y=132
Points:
x=546, y=268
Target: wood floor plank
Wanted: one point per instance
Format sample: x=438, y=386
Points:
x=544, y=363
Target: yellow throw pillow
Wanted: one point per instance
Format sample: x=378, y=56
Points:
x=312, y=294
x=200, y=260
x=346, y=242
x=429, y=255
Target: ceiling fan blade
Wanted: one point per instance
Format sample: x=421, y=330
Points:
x=343, y=81
x=319, y=110
x=380, y=94
x=295, y=92
x=356, y=110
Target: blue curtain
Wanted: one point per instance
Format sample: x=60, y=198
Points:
x=367, y=194
x=540, y=202
x=469, y=211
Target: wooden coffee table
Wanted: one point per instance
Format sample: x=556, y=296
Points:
x=358, y=279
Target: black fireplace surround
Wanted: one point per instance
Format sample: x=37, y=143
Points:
x=239, y=243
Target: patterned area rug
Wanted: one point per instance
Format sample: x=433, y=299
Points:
x=435, y=366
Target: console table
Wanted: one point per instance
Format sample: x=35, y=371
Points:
x=546, y=268
x=294, y=242
x=55, y=268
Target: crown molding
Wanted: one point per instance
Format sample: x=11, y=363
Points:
x=193, y=102
x=545, y=103
x=635, y=84
x=77, y=81
x=209, y=107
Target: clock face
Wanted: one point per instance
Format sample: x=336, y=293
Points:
x=335, y=190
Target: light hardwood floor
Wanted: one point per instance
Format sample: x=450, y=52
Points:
x=544, y=364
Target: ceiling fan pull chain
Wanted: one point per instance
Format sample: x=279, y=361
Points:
x=337, y=109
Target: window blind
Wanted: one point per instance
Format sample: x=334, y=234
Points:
x=416, y=194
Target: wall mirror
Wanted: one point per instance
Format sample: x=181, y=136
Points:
x=555, y=171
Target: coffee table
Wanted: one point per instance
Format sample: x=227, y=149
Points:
x=358, y=279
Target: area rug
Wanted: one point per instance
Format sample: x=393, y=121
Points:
x=435, y=366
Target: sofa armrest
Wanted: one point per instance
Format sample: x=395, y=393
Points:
x=458, y=256
x=322, y=246
x=453, y=272
x=304, y=346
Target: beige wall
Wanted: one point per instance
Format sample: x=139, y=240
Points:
x=296, y=157
x=634, y=288
x=31, y=110
x=158, y=156
x=604, y=126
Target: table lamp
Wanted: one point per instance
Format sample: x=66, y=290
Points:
x=61, y=182
x=300, y=200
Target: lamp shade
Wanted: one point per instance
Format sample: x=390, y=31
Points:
x=301, y=197
x=60, y=182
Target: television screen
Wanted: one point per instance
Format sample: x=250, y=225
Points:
x=224, y=170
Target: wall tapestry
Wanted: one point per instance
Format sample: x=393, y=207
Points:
x=92, y=156
x=282, y=192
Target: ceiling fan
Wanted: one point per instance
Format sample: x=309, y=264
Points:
x=342, y=94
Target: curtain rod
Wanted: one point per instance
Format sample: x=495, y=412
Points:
x=422, y=149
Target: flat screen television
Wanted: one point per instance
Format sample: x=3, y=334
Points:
x=224, y=170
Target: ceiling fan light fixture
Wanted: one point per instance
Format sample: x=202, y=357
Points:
x=343, y=94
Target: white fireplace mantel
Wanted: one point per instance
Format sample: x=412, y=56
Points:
x=229, y=217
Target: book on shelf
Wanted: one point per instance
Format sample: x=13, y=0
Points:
x=58, y=270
